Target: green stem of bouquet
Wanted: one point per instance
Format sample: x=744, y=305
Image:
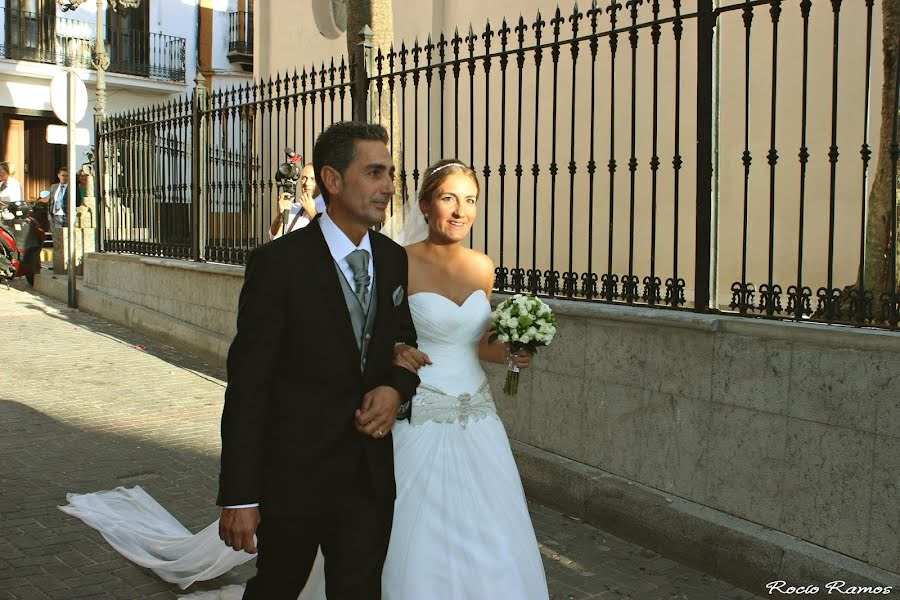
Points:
x=511, y=386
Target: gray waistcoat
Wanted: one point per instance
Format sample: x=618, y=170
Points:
x=362, y=317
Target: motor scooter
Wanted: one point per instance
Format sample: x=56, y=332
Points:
x=21, y=239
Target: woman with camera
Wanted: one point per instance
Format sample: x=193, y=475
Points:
x=303, y=209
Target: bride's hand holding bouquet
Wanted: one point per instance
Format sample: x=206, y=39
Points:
x=524, y=323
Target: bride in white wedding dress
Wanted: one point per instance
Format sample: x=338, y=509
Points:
x=461, y=527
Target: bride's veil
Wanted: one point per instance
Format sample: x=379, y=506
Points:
x=406, y=226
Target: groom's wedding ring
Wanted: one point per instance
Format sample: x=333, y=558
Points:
x=380, y=433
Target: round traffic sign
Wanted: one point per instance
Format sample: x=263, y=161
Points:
x=58, y=96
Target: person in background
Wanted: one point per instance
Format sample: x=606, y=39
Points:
x=10, y=188
x=308, y=204
x=59, y=198
x=81, y=181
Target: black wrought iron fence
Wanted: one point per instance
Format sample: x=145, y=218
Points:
x=246, y=131
x=196, y=177
x=148, y=189
x=629, y=153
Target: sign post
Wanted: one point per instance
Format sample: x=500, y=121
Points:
x=68, y=97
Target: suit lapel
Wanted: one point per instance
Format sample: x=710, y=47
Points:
x=322, y=266
x=383, y=288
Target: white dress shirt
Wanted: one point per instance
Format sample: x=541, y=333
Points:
x=11, y=191
x=298, y=222
x=58, y=207
x=340, y=247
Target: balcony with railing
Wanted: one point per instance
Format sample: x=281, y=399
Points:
x=147, y=54
x=50, y=39
x=240, y=38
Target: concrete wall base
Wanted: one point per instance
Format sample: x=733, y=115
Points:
x=743, y=553
x=170, y=331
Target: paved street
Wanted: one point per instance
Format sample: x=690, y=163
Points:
x=94, y=406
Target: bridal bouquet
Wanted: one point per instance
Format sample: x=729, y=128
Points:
x=525, y=323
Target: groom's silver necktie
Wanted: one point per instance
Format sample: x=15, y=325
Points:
x=359, y=263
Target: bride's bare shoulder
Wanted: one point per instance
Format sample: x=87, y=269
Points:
x=481, y=267
x=479, y=260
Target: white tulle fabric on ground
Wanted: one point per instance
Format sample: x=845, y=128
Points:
x=147, y=534
x=461, y=525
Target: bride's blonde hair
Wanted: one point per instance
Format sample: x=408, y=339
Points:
x=436, y=174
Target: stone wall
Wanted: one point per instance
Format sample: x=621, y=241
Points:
x=187, y=303
x=792, y=426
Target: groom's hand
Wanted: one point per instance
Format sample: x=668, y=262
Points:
x=378, y=411
x=237, y=526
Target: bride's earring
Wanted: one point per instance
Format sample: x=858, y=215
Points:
x=425, y=216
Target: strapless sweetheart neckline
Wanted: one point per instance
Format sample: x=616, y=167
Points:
x=469, y=297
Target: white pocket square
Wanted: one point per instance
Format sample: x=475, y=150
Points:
x=398, y=295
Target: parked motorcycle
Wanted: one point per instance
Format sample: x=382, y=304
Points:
x=21, y=239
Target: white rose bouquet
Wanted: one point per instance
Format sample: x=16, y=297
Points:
x=525, y=323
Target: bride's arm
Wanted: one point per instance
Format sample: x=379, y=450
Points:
x=495, y=352
x=498, y=352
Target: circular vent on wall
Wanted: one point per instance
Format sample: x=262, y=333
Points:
x=331, y=17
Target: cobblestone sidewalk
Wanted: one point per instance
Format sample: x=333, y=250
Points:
x=95, y=406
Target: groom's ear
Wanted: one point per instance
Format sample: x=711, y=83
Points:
x=332, y=180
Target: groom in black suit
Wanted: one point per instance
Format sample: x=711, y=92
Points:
x=307, y=456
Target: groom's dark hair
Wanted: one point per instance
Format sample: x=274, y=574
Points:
x=336, y=147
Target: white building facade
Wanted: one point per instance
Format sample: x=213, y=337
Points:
x=156, y=51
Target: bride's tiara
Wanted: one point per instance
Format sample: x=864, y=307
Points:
x=455, y=163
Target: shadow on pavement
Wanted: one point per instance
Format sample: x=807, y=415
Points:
x=44, y=549
x=177, y=357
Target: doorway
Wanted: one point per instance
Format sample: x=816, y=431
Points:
x=25, y=146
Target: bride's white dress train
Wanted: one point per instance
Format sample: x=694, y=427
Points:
x=147, y=534
x=461, y=526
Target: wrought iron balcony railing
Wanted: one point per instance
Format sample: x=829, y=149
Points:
x=45, y=38
x=50, y=39
x=148, y=54
x=240, y=37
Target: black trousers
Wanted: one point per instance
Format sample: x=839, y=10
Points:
x=354, y=538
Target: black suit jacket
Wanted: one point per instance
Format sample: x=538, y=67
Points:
x=294, y=381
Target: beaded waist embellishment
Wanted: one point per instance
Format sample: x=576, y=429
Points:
x=433, y=404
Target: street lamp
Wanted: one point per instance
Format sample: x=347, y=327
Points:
x=100, y=60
